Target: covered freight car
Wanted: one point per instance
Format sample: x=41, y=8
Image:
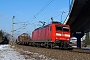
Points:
x=23, y=39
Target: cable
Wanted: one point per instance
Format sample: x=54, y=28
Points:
x=21, y=25
x=54, y=16
x=46, y=5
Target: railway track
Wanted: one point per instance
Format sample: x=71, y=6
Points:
x=80, y=51
x=77, y=50
x=58, y=54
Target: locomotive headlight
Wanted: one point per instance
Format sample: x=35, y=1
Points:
x=67, y=35
x=67, y=39
x=57, y=34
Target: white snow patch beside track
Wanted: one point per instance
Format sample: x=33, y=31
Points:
x=7, y=53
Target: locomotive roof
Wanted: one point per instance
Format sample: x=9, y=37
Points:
x=42, y=27
x=56, y=22
x=53, y=22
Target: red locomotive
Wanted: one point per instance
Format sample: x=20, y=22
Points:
x=54, y=34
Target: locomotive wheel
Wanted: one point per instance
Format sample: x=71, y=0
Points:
x=51, y=45
x=29, y=43
x=37, y=44
x=62, y=45
x=47, y=45
x=33, y=44
x=65, y=45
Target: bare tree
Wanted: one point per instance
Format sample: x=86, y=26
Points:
x=87, y=39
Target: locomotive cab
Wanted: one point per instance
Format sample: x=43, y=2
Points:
x=63, y=33
x=62, y=36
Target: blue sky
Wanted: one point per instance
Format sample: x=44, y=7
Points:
x=27, y=10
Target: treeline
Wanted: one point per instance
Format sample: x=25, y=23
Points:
x=4, y=37
x=87, y=39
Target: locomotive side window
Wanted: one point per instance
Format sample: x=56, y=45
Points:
x=58, y=28
x=50, y=28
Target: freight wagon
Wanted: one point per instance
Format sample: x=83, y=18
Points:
x=23, y=39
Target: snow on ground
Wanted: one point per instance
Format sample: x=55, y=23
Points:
x=7, y=53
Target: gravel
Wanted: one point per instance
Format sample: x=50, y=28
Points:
x=52, y=54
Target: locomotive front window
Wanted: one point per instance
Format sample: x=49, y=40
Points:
x=58, y=28
x=61, y=28
x=66, y=29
